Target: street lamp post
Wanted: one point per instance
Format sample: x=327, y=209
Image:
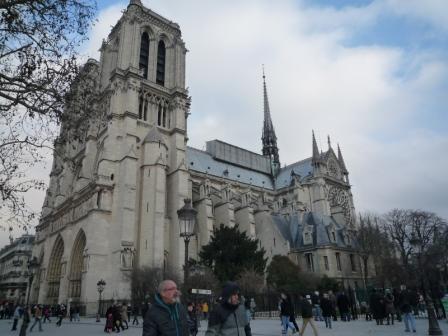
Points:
x=33, y=264
x=100, y=286
x=187, y=219
x=433, y=328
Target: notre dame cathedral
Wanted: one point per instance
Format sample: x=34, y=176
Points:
x=117, y=208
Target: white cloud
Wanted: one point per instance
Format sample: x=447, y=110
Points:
x=368, y=98
x=365, y=97
x=433, y=12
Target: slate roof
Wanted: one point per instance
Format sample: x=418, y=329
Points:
x=303, y=168
x=292, y=229
x=201, y=161
x=154, y=136
x=204, y=162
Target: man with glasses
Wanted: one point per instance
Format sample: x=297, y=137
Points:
x=166, y=317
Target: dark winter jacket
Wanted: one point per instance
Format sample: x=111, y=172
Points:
x=408, y=299
x=307, y=309
x=192, y=322
x=327, y=307
x=227, y=319
x=286, y=308
x=343, y=303
x=377, y=306
x=165, y=320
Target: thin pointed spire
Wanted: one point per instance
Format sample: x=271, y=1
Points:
x=329, y=142
x=341, y=160
x=268, y=137
x=316, y=155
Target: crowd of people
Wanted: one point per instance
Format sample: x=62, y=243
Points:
x=231, y=313
x=36, y=315
x=385, y=307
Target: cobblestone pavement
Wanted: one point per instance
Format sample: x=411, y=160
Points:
x=259, y=328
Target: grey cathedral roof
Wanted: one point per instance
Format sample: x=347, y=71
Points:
x=203, y=162
x=292, y=229
x=244, y=166
x=302, y=168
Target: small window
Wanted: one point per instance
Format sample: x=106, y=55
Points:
x=144, y=55
x=159, y=116
x=309, y=262
x=333, y=235
x=140, y=108
x=326, y=264
x=352, y=262
x=161, y=53
x=338, y=261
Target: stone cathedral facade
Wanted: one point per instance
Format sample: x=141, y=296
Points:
x=113, y=206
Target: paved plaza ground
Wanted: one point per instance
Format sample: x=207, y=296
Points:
x=259, y=327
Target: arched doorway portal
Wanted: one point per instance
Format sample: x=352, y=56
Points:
x=76, y=266
x=54, y=271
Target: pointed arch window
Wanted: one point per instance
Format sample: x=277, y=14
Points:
x=159, y=115
x=143, y=105
x=144, y=55
x=161, y=55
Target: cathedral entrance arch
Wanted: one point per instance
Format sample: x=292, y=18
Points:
x=76, y=266
x=55, y=271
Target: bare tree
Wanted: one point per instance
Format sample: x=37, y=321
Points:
x=38, y=63
x=144, y=282
x=396, y=225
x=251, y=283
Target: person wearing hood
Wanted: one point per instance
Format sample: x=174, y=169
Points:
x=166, y=317
x=229, y=317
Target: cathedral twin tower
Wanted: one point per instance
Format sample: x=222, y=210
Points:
x=116, y=207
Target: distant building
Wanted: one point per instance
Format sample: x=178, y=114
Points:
x=116, y=207
x=14, y=270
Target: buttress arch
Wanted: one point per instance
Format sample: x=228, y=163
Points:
x=54, y=272
x=76, y=265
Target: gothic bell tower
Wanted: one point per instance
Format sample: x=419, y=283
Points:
x=143, y=69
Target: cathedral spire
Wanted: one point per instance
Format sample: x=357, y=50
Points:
x=316, y=155
x=341, y=160
x=329, y=142
x=268, y=137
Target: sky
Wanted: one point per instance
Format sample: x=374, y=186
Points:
x=373, y=75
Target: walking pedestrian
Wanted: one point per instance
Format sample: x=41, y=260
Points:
x=333, y=300
x=60, y=312
x=166, y=317
x=124, y=315
x=135, y=313
x=37, y=318
x=307, y=314
x=205, y=310
x=344, y=306
x=377, y=306
x=317, y=312
x=129, y=308
x=389, y=307
x=46, y=314
x=192, y=319
x=406, y=309
x=116, y=313
x=327, y=310
x=17, y=313
x=109, y=323
x=285, y=312
x=229, y=317
x=253, y=306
